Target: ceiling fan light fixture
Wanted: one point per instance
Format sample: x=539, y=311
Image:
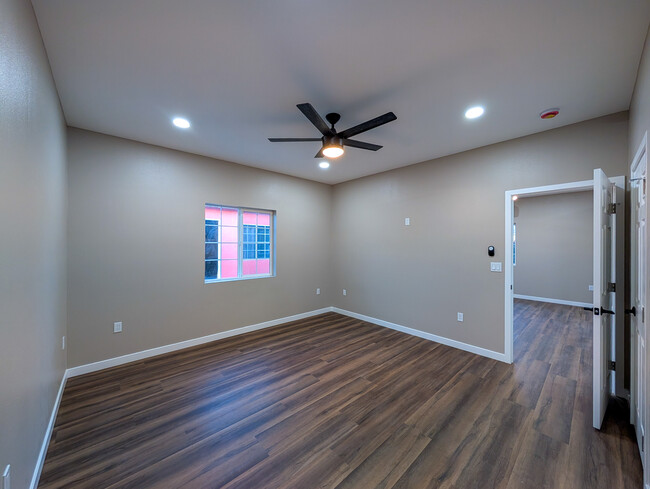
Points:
x=333, y=150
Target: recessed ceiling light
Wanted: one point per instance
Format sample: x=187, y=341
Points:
x=474, y=112
x=324, y=164
x=180, y=122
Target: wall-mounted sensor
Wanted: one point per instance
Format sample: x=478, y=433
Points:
x=490, y=250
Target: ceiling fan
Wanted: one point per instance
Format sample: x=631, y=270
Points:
x=332, y=140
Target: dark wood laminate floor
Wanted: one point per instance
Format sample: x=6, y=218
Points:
x=333, y=402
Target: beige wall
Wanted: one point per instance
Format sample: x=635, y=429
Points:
x=32, y=240
x=555, y=246
x=420, y=276
x=136, y=248
x=640, y=104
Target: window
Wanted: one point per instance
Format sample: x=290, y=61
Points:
x=238, y=243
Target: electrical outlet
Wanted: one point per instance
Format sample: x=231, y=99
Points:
x=460, y=317
x=117, y=327
x=63, y=342
x=407, y=221
x=317, y=291
x=6, y=478
x=345, y=292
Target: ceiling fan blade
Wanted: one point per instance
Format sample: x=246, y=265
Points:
x=366, y=126
x=360, y=144
x=292, y=140
x=320, y=154
x=315, y=119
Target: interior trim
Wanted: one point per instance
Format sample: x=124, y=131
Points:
x=427, y=336
x=152, y=352
x=552, y=301
x=48, y=434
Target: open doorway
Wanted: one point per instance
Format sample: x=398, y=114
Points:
x=607, y=271
x=553, y=248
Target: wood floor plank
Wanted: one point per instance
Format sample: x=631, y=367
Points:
x=554, y=412
x=334, y=402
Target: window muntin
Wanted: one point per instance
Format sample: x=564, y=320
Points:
x=238, y=243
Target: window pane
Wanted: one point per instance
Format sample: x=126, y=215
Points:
x=263, y=266
x=212, y=213
x=229, y=217
x=263, y=219
x=229, y=251
x=263, y=251
x=211, y=233
x=249, y=267
x=250, y=218
x=249, y=233
x=229, y=234
x=248, y=251
x=211, y=251
x=228, y=268
x=211, y=270
x=263, y=234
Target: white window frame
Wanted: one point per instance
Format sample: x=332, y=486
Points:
x=240, y=243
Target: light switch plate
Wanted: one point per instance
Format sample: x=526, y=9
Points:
x=460, y=317
x=345, y=292
x=407, y=221
x=117, y=327
x=317, y=291
x=495, y=266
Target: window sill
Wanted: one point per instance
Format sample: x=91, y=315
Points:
x=238, y=279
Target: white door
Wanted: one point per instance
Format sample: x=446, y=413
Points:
x=638, y=279
x=604, y=253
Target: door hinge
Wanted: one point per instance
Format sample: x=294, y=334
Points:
x=611, y=287
x=611, y=365
x=611, y=208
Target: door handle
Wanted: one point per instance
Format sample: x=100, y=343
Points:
x=631, y=311
x=598, y=312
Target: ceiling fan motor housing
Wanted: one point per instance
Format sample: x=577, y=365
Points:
x=333, y=118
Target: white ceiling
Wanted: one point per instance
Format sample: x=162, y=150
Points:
x=237, y=69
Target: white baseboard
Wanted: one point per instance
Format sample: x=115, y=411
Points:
x=427, y=336
x=132, y=357
x=48, y=434
x=552, y=301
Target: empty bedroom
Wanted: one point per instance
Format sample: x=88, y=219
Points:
x=273, y=245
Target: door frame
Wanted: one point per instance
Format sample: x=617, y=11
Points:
x=561, y=188
x=579, y=186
